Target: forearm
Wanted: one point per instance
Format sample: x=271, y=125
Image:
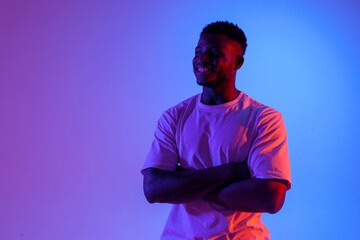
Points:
x=184, y=186
x=250, y=195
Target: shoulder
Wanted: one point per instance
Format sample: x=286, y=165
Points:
x=173, y=114
x=259, y=108
x=181, y=108
x=263, y=114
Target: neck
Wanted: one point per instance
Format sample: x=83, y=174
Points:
x=214, y=96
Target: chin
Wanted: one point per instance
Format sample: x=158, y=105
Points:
x=205, y=82
x=202, y=83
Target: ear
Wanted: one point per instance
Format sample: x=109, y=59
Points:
x=238, y=62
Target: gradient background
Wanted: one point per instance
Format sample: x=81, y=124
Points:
x=82, y=84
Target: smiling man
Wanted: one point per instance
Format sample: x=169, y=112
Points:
x=220, y=156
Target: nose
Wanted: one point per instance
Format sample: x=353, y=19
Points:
x=204, y=57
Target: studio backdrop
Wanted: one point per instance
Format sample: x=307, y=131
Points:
x=83, y=83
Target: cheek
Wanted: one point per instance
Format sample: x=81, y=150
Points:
x=229, y=63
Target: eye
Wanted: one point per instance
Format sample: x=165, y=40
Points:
x=216, y=52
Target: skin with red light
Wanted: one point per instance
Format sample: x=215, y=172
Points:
x=216, y=60
x=223, y=57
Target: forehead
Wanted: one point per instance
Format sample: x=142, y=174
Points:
x=214, y=40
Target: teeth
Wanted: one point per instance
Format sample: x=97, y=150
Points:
x=204, y=69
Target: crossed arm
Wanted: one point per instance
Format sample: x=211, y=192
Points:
x=228, y=185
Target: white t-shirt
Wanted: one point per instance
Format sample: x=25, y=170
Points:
x=199, y=136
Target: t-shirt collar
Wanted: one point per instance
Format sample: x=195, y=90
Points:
x=219, y=106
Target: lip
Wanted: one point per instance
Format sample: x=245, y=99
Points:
x=209, y=67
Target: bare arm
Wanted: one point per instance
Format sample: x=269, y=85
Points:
x=183, y=186
x=251, y=195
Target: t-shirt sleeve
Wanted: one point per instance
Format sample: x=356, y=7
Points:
x=268, y=156
x=163, y=153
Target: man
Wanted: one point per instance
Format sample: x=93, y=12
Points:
x=220, y=157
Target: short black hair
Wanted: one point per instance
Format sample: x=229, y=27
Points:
x=230, y=30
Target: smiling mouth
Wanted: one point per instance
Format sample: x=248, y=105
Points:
x=204, y=69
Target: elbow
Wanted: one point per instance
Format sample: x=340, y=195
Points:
x=149, y=186
x=153, y=192
x=275, y=196
x=150, y=198
x=274, y=208
x=275, y=203
x=156, y=188
x=150, y=194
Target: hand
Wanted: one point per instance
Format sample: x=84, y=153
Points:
x=238, y=171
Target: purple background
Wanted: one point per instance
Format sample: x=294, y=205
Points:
x=82, y=84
